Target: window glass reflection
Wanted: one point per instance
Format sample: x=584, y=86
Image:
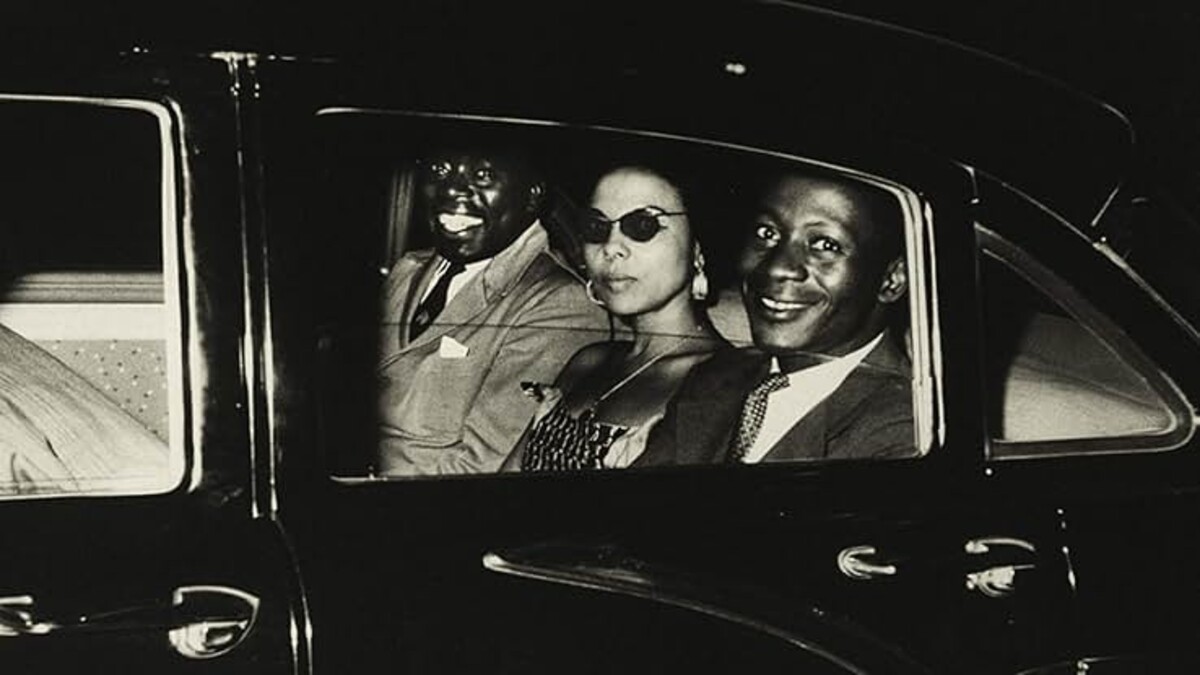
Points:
x=559, y=300
x=83, y=328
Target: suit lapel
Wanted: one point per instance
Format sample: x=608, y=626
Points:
x=806, y=438
x=809, y=437
x=412, y=295
x=462, y=308
x=708, y=418
x=485, y=288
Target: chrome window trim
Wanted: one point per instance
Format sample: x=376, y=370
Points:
x=1037, y=275
x=925, y=326
x=178, y=447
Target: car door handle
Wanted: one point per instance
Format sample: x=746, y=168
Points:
x=997, y=581
x=16, y=618
x=851, y=561
x=988, y=544
x=202, y=621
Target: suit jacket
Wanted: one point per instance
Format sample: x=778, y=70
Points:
x=451, y=401
x=868, y=415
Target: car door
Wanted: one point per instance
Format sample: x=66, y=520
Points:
x=1091, y=391
x=483, y=571
x=136, y=538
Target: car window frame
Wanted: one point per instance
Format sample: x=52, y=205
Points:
x=184, y=466
x=924, y=322
x=1041, y=278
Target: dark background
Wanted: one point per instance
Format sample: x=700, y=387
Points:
x=1142, y=57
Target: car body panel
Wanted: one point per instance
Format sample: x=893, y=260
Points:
x=365, y=575
x=85, y=562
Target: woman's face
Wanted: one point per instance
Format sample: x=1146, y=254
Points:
x=634, y=277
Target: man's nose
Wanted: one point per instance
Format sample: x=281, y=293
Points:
x=457, y=184
x=787, y=262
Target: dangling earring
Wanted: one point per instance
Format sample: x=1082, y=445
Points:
x=587, y=288
x=699, y=278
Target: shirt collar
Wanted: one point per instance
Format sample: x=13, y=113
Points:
x=469, y=269
x=845, y=363
x=505, y=267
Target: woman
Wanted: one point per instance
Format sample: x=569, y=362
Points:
x=645, y=266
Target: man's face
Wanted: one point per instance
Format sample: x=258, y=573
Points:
x=814, y=269
x=476, y=204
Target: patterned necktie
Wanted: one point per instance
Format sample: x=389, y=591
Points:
x=433, y=303
x=753, y=412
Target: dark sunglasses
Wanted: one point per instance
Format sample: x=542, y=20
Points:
x=639, y=225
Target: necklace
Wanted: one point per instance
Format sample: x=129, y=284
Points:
x=590, y=411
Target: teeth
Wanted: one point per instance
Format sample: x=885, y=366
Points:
x=457, y=222
x=782, y=306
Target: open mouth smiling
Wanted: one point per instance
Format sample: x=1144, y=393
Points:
x=777, y=308
x=458, y=223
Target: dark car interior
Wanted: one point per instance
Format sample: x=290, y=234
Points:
x=81, y=261
x=1051, y=378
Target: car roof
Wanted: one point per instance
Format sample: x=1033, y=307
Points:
x=770, y=74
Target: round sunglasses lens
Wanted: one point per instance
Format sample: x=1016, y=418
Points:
x=594, y=230
x=640, y=226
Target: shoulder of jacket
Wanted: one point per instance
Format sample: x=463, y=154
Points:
x=409, y=263
x=419, y=256
x=545, y=275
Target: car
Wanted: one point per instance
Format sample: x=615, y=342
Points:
x=202, y=234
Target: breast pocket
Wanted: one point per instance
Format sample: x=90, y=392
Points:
x=426, y=393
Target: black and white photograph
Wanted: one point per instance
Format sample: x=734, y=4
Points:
x=609, y=336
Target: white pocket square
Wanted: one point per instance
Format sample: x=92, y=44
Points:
x=451, y=348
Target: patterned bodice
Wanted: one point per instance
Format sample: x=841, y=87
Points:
x=560, y=442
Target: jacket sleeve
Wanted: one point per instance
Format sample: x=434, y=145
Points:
x=537, y=341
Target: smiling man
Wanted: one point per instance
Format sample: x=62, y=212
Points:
x=826, y=377
x=490, y=306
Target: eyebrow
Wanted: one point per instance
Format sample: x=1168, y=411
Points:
x=847, y=234
x=652, y=208
x=825, y=215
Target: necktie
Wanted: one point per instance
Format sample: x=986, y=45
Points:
x=753, y=411
x=433, y=303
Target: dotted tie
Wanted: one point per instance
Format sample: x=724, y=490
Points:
x=753, y=411
x=433, y=303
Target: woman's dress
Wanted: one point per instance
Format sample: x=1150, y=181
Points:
x=559, y=441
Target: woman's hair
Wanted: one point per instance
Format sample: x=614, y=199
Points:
x=690, y=196
x=676, y=177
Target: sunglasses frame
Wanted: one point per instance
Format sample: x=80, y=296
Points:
x=652, y=211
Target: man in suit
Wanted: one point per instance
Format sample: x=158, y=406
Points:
x=490, y=306
x=826, y=378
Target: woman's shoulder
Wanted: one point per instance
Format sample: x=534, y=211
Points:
x=589, y=358
x=696, y=351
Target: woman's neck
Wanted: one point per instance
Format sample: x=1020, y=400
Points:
x=664, y=327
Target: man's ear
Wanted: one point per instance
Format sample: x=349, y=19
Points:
x=537, y=197
x=895, y=281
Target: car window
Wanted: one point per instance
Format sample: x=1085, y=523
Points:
x=1059, y=378
x=549, y=298
x=89, y=366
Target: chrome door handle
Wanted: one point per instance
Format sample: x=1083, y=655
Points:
x=986, y=544
x=850, y=562
x=218, y=619
x=17, y=618
x=997, y=581
x=201, y=621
